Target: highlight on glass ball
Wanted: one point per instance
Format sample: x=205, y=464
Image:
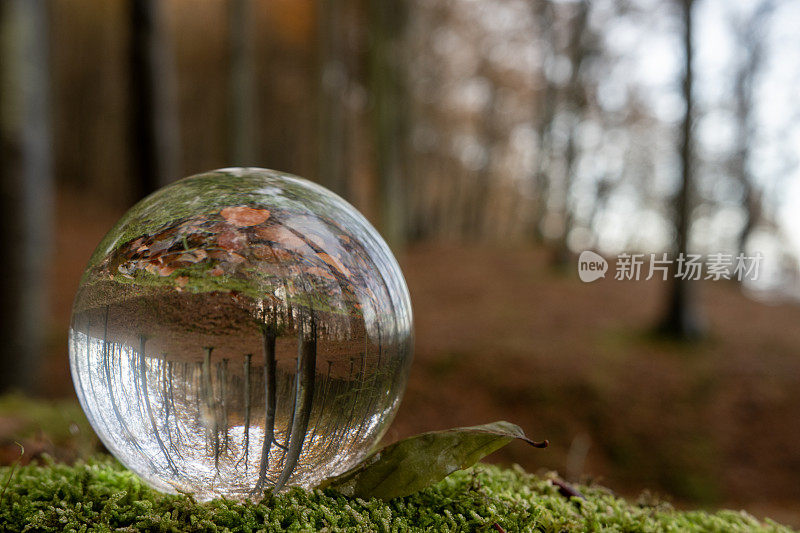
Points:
x=240, y=331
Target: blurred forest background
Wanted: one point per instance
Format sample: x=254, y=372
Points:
x=489, y=142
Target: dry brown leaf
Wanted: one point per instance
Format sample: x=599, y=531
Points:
x=231, y=240
x=219, y=255
x=321, y=272
x=282, y=236
x=281, y=255
x=261, y=251
x=244, y=216
x=161, y=245
x=335, y=263
x=166, y=270
x=235, y=258
x=316, y=239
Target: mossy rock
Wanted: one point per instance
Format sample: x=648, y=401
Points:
x=100, y=495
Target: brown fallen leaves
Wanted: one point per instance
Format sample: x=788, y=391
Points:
x=232, y=240
x=240, y=240
x=243, y=216
x=283, y=236
x=335, y=263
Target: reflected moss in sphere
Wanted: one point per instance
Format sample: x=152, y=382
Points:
x=239, y=331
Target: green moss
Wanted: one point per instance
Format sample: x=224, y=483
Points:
x=255, y=287
x=199, y=281
x=101, y=496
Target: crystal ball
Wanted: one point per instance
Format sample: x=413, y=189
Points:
x=240, y=331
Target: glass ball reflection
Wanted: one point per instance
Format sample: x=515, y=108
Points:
x=239, y=331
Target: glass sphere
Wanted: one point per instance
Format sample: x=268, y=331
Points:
x=239, y=331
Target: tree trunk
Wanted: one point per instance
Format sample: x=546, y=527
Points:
x=750, y=34
x=575, y=106
x=543, y=123
x=242, y=110
x=304, y=396
x=683, y=318
x=153, y=108
x=333, y=86
x=476, y=216
x=27, y=189
x=387, y=26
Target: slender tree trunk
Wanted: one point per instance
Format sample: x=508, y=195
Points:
x=27, y=189
x=389, y=96
x=562, y=251
x=153, y=107
x=304, y=396
x=476, y=216
x=333, y=85
x=543, y=123
x=742, y=94
x=246, y=401
x=751, y=44
x=683, y=319
x=575, y=107
x=269, y=335
x=242, y=110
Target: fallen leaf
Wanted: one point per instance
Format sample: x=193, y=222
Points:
x=231, y=240
x=321, y=272
x=219, y=255
x=412, y=464
x=244, y=216
x=181, y=281
x=282, y=256
x=282, y=236
x=235, y=258
x=316, y=239
x=161, y=245
x=261, y=251
x=137, y=244
x=166, y=270
x=335, y=263
x=194, y=256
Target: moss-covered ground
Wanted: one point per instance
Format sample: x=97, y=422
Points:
x=99, y=495
x=65, y=482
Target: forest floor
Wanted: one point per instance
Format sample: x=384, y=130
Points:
x=501, y=335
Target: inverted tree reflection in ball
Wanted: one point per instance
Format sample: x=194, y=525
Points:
x=238, y=331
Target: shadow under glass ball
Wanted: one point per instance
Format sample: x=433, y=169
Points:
x=238, y=331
